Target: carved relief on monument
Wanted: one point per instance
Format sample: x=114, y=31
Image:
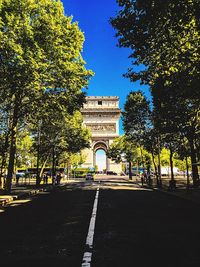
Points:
x=102, y=128
x=103, y=115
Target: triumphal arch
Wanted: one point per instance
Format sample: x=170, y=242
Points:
x=101, y=115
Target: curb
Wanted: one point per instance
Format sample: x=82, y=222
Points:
x=5, y=200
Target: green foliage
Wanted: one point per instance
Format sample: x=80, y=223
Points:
x=40, y=48
x=77, y=160
x=122, y=149
x=164, y=157
x=181, y=163
x=24, y=157
x=136, y=115
x=151, y=141
x=164, y=37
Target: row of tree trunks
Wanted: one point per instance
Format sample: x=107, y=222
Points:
x=193, y=156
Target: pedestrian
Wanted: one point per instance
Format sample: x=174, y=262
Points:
x=54, y=179
x=142, y=178
x=145, y=177
x=45, y=178
x=17, y=178
x=58, y=178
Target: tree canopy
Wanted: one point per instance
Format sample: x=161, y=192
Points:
x=136, y=115
x=40, y=48
x=164, y=37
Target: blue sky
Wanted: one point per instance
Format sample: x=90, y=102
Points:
x=101, y=159
x=108, y=61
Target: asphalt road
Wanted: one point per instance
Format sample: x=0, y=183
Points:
x=134, y=227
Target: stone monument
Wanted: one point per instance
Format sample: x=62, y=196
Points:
x=101, y=115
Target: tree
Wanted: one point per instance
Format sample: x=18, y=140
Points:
x=60, y=133
x=164, y=37
x=40, y=48
x=136, y=115
x=123, y=149
x=76, y=160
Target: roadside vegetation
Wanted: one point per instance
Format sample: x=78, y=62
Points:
x=164, y=38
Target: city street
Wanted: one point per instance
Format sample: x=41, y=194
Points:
x=99, y=133
x=134, y=227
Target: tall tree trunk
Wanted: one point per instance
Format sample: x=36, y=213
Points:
x=159, y=170
x=68, y=169
x=187, y=172
x=38, y=177
x=12, y=151
x=171, y=164
x=155, y=168
x=43, y=166
x=142, y=158
x=159, y=166
x=53, y=165
x=137, y=168
x=3, y=159
x=130, y=170
x=38, y=170
x=172, y=182
x=195, y=176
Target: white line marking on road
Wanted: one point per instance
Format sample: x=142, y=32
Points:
x=87, y=257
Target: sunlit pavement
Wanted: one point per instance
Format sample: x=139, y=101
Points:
x=134, y=227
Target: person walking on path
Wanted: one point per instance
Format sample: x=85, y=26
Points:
x=58, y=178
x=45, y=178
x=142, y=178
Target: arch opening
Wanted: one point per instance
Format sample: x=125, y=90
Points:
x=101, y=160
